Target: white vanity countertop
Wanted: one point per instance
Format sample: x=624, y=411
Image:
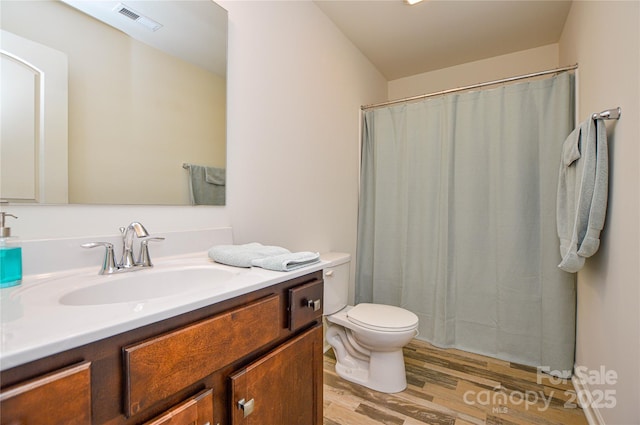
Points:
x=35, y=324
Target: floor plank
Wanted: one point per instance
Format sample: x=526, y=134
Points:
x=452, y=387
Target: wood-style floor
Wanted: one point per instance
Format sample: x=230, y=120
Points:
x=453, y=387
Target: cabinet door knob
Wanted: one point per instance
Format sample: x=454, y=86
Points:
x=328, y=273
x=314, y=304
x=246, y=407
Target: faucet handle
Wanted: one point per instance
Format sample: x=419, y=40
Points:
x=109, y=262
x=144, y=259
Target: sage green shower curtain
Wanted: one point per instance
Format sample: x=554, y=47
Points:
x=457, y=220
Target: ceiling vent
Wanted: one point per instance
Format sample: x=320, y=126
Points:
x=146, y=22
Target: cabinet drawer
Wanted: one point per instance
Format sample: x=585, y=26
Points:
x=162, y=366
x=198, y=410
x=61, y=397
x=305, y=304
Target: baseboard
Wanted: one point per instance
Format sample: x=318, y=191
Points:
x=591, y=412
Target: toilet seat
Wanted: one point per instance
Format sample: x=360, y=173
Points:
x=385, y=318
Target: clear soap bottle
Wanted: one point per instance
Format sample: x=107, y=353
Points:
x=10, y=255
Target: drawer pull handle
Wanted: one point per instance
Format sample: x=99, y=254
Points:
x=314, y=304
x=246, y=406
x=328, y=273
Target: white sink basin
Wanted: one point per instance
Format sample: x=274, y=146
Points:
x=145, y=285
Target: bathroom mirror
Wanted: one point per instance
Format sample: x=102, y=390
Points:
x=146, y=94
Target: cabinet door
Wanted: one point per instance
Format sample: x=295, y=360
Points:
x=61, y=397
x=198, y=410
x=283, y=387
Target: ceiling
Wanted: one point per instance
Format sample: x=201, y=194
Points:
x=195, y=31
x=402, y=40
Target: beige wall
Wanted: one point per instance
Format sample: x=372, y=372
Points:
x=296, y=87
x=125, y=144
x=603, y=38
x=519, y=63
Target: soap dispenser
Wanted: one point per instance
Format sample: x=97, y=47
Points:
x=10, y=255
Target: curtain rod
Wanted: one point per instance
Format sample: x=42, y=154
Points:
x=473, y=86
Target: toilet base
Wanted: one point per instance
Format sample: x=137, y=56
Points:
x=384, y=372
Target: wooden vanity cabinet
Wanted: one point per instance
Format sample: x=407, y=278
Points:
x=191, y=369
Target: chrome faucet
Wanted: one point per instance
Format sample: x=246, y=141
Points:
x=127, y=263
x=127, y=243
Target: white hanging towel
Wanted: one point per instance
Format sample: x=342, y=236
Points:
x=583, y=187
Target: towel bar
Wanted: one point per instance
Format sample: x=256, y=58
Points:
x=609, y=114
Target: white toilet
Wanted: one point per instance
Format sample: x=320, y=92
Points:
x=367, y=338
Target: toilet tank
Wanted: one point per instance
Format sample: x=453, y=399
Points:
x=336, y=281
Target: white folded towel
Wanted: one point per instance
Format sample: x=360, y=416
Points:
x=287, y=262
x=242, y=255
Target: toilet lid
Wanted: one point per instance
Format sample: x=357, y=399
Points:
x=383, y=317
